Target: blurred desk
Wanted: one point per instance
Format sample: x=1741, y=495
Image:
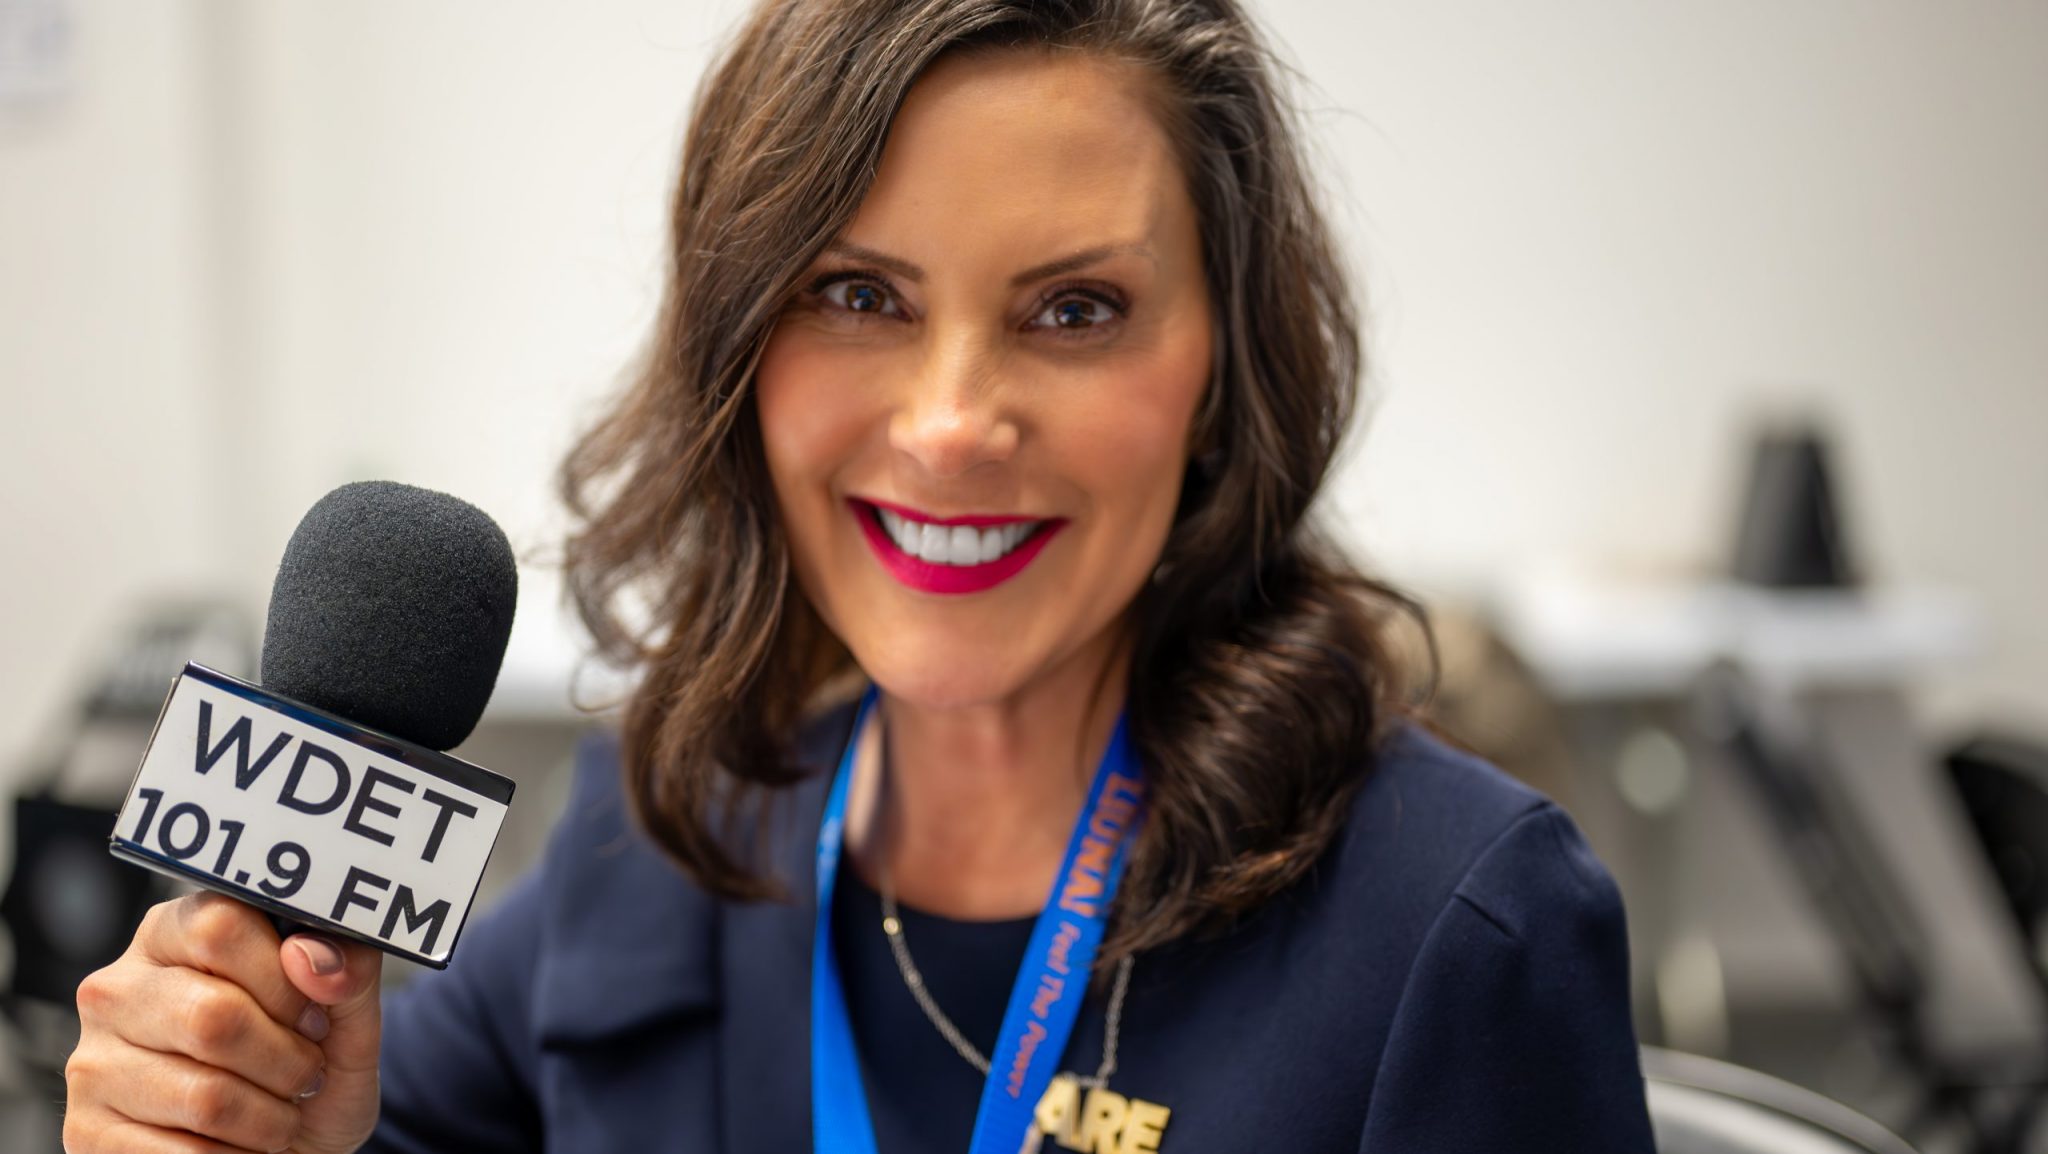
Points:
x=1591, y=639
x=1715, y=916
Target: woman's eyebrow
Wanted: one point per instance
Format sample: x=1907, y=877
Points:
x=897, y=265
x=1081, y=260
x=1065, y=264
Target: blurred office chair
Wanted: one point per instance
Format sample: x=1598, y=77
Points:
x=1703, y=1106
x=2003, y=785
x=1859, y=900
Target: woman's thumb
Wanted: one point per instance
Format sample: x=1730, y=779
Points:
x=343, y=979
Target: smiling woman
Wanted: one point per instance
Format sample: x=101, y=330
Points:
x=1053, y=266
x=1014, y=327
x=1003, y=355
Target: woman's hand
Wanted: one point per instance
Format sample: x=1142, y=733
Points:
x=209, y=1031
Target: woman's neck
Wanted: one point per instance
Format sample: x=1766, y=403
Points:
x=978, y=802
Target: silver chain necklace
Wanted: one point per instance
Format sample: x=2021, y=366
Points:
x=892, y=927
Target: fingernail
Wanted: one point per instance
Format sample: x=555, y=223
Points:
x=324, y=956
x=313, y=1021
x=319, y=1080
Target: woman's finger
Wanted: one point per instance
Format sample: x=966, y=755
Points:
x=218, y=935
x=174, y=1092
x=104, y=1132
x=209, y=1019
x=113, y=1134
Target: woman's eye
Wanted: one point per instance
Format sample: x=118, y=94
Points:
x=861, y=296
x=1076, y=312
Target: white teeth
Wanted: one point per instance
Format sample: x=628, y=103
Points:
x=953, y=544
x=966, y=546
x=992, y=544
x=901, y=531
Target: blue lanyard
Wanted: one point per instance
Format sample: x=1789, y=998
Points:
x=1051, y=983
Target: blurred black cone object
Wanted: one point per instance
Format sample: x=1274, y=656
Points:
x=1791, y=534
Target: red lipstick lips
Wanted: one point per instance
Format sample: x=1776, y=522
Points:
x=938, y=577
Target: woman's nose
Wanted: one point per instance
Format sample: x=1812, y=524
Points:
x=954, y=416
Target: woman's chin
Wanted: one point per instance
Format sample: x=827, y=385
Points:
x=974, y=663
x=956, y=681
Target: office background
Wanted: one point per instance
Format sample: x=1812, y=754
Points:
x=249, y=251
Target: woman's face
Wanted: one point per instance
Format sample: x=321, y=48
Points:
x=977, y=411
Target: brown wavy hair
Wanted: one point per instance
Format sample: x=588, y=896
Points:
x=1263, y=670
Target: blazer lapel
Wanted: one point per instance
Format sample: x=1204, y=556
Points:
x=765, y=970
x=624, y=934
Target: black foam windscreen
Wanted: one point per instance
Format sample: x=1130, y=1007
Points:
x=392, y=608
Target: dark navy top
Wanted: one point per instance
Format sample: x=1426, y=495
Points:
x=922, y=1094
x=1452, y=977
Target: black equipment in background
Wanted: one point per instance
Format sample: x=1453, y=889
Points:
x=1856, y=894
x=1791, y=534
x=2003, y=784
x=69, y=909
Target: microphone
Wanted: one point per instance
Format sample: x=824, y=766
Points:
x=325, y=796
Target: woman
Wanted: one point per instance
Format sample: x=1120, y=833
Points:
x=1038, y=779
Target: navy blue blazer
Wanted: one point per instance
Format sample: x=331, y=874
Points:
x=1452, y=977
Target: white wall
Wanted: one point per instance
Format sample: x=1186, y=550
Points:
x=457, y=216
x=110, y=486
x=264, y=248
x=1601, y=237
